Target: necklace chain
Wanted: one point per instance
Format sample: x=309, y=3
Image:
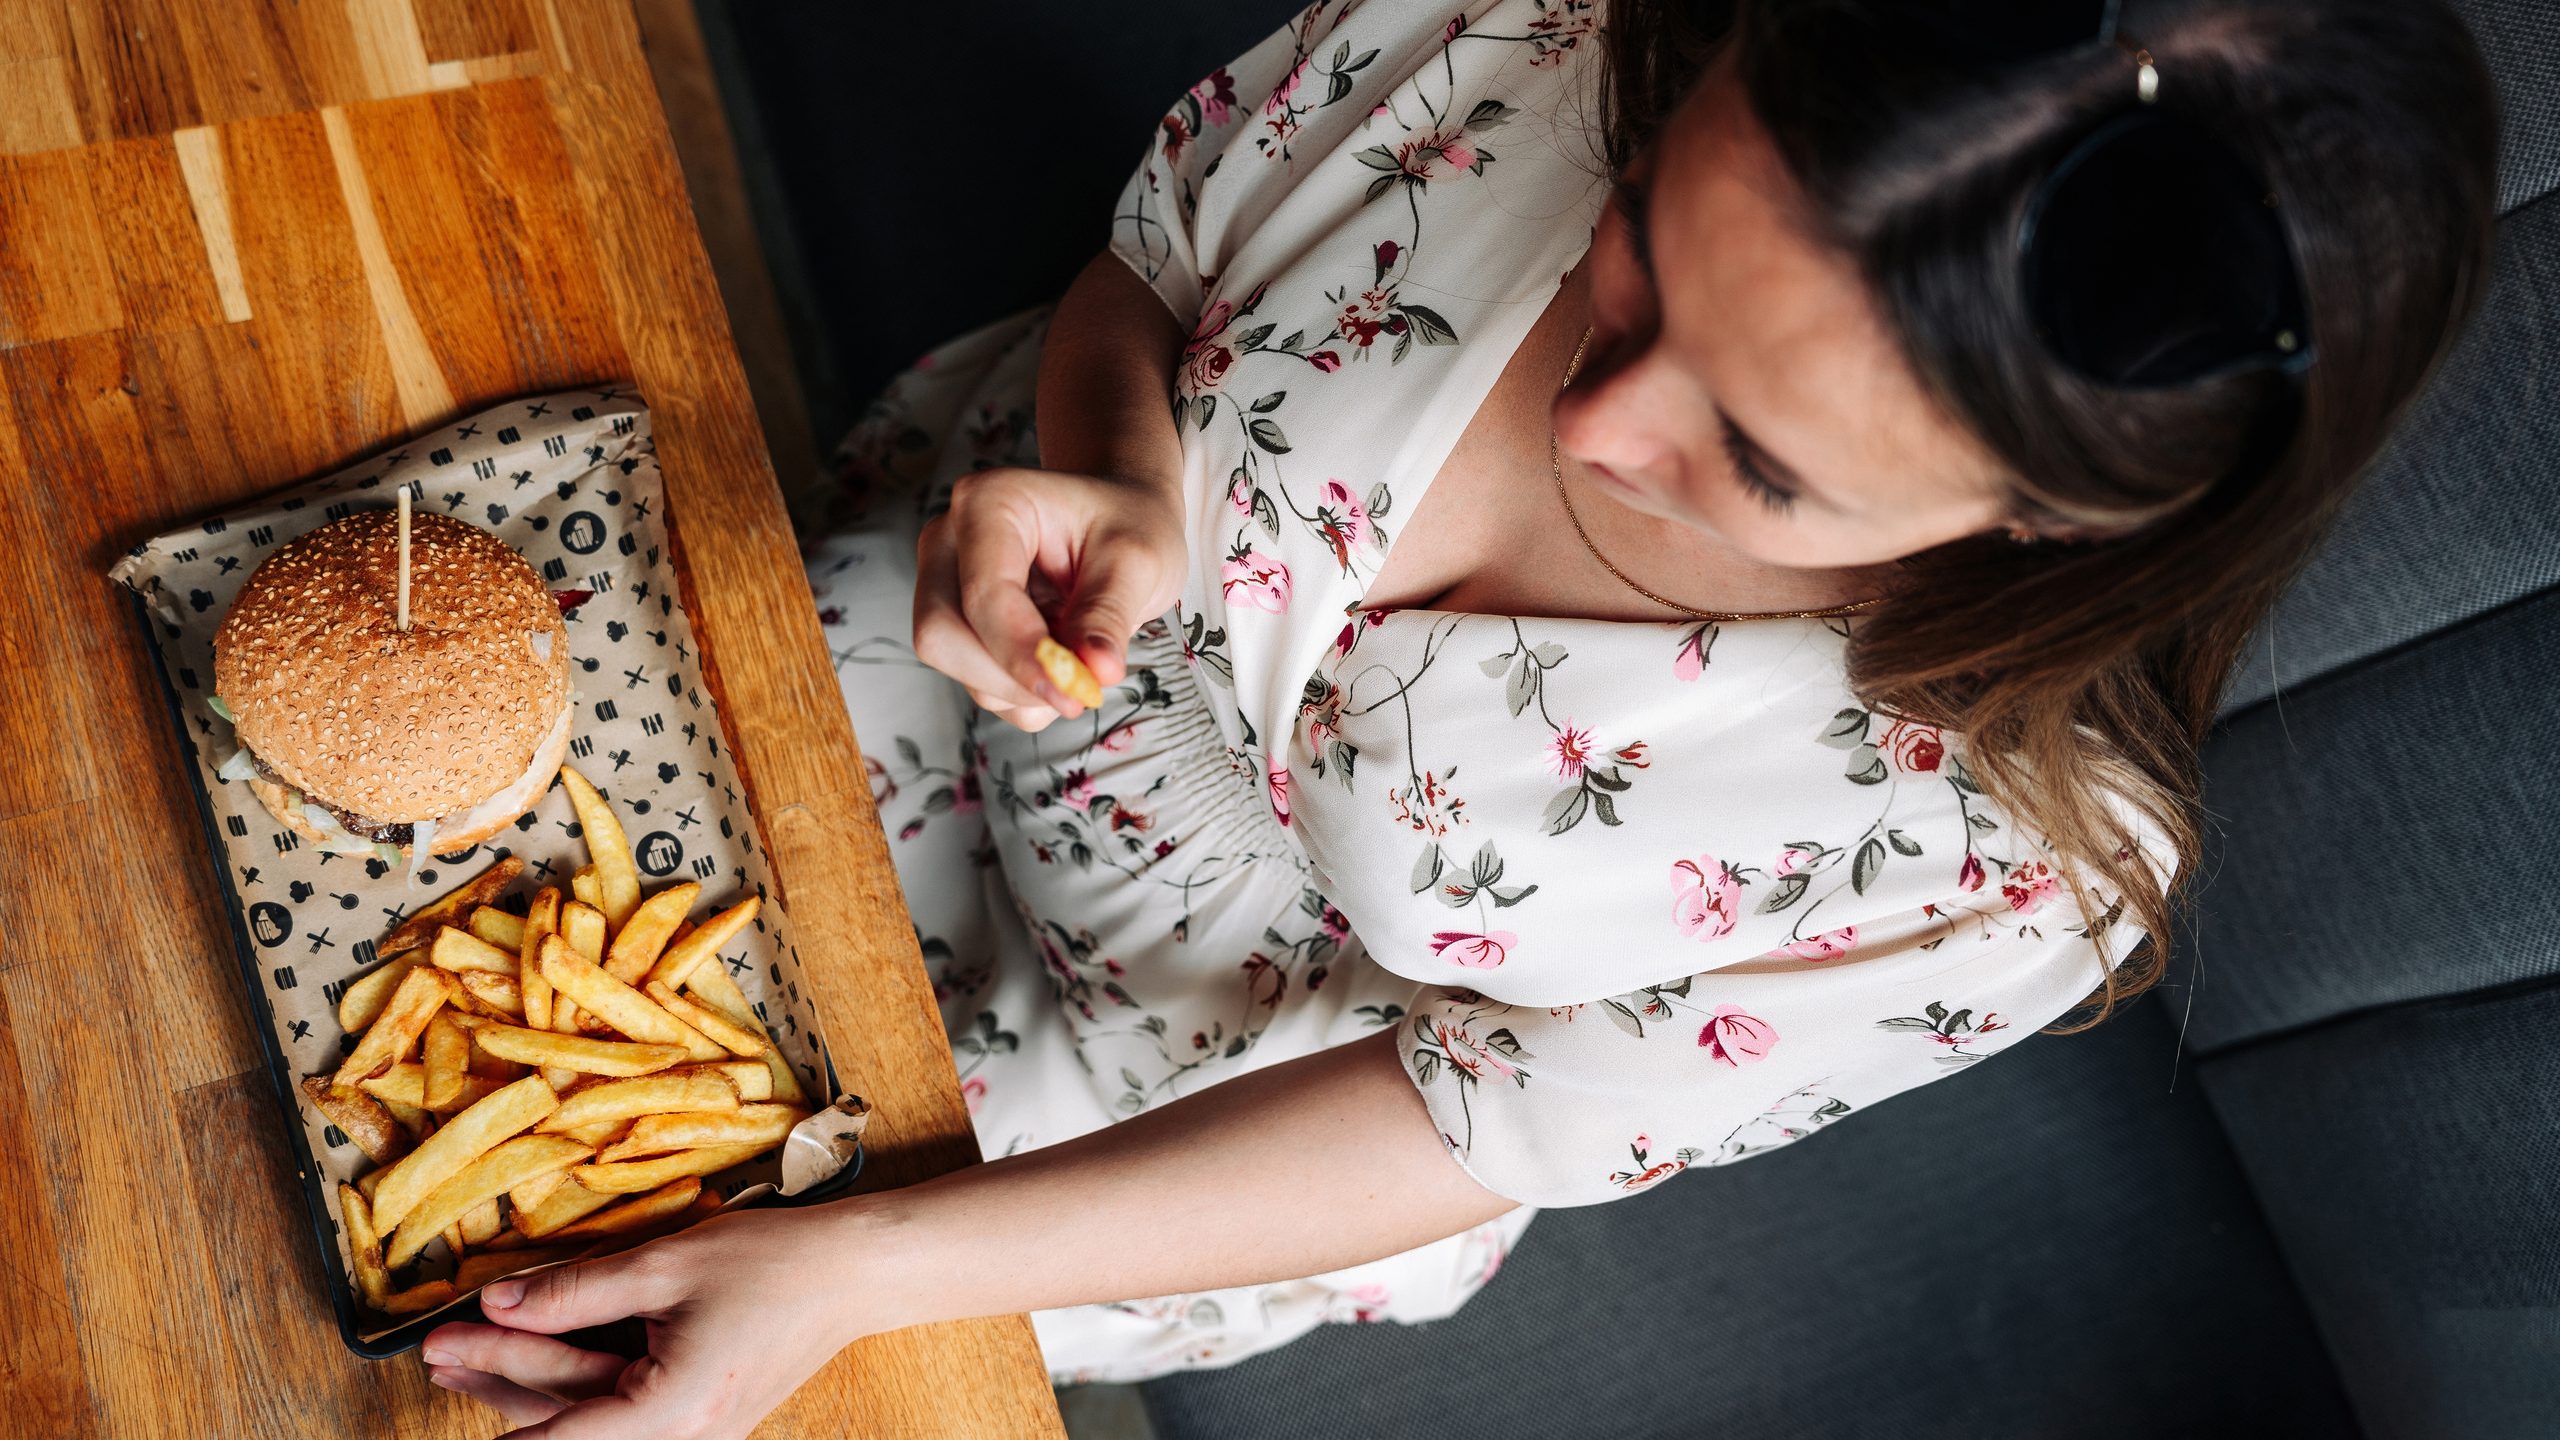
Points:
x=1555, y=463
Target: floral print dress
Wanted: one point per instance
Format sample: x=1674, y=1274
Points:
x=1632, y=898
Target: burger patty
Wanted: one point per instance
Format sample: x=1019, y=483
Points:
x=390, y=832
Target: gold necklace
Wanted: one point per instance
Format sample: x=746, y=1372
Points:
x=1555, y=463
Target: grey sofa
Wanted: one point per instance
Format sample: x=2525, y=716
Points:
x=2310, y=1187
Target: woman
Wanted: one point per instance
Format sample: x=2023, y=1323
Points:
x=1674, y=598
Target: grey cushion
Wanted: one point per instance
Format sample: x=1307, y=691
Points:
x=2522, y=40
x=2054, y=1243
x=2409, y=1161
x=2385, y=834
x=2462, y=513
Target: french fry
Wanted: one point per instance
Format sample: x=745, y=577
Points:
x=586, y=889
x=660, y=1094
x=749, y=1078
x=495, y=1067
x=361, y=1003
x=447, y=1051
x=405, y=1085
x=364, y=1247
x=637, y=1213
x=702, y=942
x=360, y=1117
x=762, y=1126
x=618, y=1005
x=601, y=1133
x=460, y=950
x=711, y=985
x=504, y=1167
x=560, y=1207
x=1069, y=673
x=633, y=1176
x=453, y=1239
x=420, y=928
x=638, y=941
x=583, y=926
x=479, y=1269
x=718, y=1028
x=461, y=1143
x=533, y=1192
x=541, y=918
x=498, y=992
x=412, y=1118
x=421, y=993
x=497, y=927
x=617, y=878
x=577, y=1052
x=420, y=1298
x=480, y=1223
x=371, y=1180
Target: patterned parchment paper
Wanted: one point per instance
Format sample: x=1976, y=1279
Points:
x=571, y=481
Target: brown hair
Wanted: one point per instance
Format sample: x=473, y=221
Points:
x=2088, y=668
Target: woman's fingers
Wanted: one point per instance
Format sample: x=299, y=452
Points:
x=651, y=1401
x=994, y=543
x=947, y=641
x=519, y=1405
x=1112, y=587
x=536, y=1362
x=572, y=1297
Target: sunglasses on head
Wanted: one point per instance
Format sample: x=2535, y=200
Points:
x=2151, y=254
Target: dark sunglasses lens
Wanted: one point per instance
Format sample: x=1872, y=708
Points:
x=2153, y=257
x=2011, y=32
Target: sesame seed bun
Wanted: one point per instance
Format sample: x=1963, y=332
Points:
x=396, y=726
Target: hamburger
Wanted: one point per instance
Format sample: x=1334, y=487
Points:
x=368, y=739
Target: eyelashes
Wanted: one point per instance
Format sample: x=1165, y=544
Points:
x=1754, y=480
x=1634, y=211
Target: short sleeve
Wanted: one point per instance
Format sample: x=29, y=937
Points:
x=1580, y=1104
x=1231, y=147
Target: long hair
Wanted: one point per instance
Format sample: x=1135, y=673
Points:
x=2094, y=667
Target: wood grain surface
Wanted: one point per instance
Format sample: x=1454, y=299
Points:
x=243, y=241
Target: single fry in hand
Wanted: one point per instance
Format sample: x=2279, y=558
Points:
x=480, y=889
x=487, y=1265
x=1069, y=673
x=661, y=1094
x=577, y=1052
x=702, y=943
x=360, y=1004
x=639, y=940
x=360, y=1116
x=423, y=991
x=749, y=1078
x=560, y=1207
x=493, y=1174
x=364, y=1247
x=636, y=1213
x=617, y=878
x=463, y=1140
x=447, y=1051
x=460, y=950
x=762, y=1126
x=633, y=1176
x=497, y=927
x=718, y=1027
x=618, y=1005
x=498, y=992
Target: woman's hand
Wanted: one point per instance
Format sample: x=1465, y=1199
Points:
x=1028, y=554
x=740, y=1309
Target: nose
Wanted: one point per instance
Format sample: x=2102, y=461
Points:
x=1623, y=410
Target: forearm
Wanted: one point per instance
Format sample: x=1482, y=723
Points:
x=1310, y=1166
x=1106, y=379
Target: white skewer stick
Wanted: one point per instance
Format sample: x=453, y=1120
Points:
x=404, y=560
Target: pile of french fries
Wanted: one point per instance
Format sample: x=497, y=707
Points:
x=542, y=1087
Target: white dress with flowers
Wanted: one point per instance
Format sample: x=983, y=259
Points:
x=1633, y=898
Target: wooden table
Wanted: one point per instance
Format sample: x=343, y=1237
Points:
x=243, y=241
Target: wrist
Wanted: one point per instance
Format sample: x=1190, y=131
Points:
x=877, y=1259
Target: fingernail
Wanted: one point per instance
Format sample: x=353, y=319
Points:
x=502, y=1295
x=438, y=1377
x=438, y=1357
